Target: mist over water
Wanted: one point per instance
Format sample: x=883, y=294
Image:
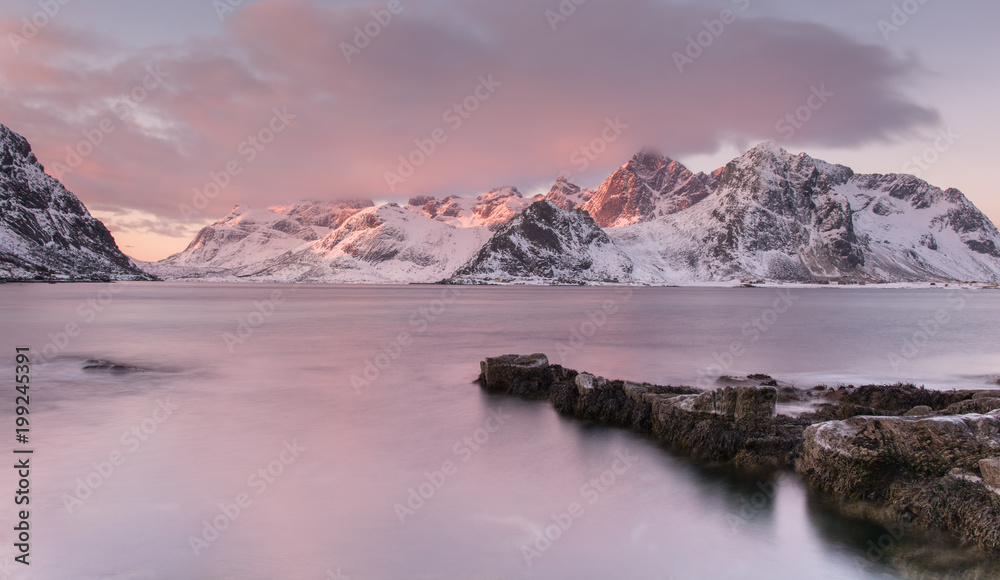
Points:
x=356, y=421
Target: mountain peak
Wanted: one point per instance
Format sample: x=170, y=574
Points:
x=46, y=233
x=649, y=186
x=547, y=242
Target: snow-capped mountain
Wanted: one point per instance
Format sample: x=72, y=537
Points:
x=780, y=216
x=46, y=233
x=490, y=210
x=385, y=244
x=568, y=195
x=548, y=243
x=247, y=237
x=647, y=187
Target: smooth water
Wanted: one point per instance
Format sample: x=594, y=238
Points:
x=349, y=459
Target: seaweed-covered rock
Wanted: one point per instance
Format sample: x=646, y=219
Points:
x=990, y=468
x=859, y=458
x=981, y=405
x=526, y=376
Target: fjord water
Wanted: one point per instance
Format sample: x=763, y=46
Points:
x=344, y=453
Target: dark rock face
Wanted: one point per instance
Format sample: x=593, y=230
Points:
x=647, y=187
x=545, y=241
x=45, y=232
x=773, y=201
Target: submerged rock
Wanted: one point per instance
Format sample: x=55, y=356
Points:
x=104, y=365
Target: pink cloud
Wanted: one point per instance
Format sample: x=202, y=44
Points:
x=353, y=120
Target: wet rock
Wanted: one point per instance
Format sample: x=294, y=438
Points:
x=859, y=458
x=527, y=376
x=104, y=365
x=919, y=411
x=982, y=405
x=990, y=468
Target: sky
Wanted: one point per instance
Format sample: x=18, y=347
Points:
x=161, y=117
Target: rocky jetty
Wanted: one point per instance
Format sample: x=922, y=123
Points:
x=893, y=453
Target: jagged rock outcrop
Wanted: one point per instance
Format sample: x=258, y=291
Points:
x=568, y=196
x=490, y=210
x=647, y=187
x=545, y=242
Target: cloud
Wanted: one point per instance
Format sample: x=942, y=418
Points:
x=353, y=120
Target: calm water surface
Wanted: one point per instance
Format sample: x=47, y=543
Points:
x=349, y=459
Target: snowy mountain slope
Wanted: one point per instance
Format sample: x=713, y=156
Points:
x=911, y=230
x=546, y=242
x=488, y=210
x=647, y=187
x=384, y=244
x=568, y=196
x=46, y=233
x=247, y=237
x=773, y=215
x=790, y=217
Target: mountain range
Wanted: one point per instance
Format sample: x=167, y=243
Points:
x=768, y=214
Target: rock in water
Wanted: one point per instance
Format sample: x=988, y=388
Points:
x=859, y=458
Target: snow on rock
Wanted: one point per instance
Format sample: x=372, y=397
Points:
x=568, y=195
x=248, y=237
x=647, y=187
x=546, y=242
x=46, y=233
x=384, y=244
x=491, y=209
